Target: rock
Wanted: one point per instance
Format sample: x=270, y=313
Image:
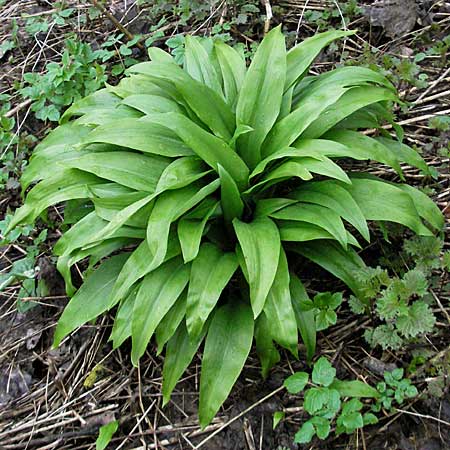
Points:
x=398, y=17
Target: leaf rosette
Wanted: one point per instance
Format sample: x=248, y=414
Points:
x=201, y=184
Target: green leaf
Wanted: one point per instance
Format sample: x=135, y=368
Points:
x=278, y=416
x=209, y=148
x=92, y=299
x=426, y=208
x=405, y=153
x=350, y=102
x=320, y=95
x=265, y=348
x=322, y=426
x=170, y=206
x=227, y=346
x=317, y=215
x=170, y=322
x=211, y=271
x=261, y=94
x=305, y=434
x=363, y=147
x=140, y=134
x=152, y=104
x=158, y=292
x=323, y=372
x=383, y=201
x=343, y=264
x=331, y=195
x=66, y=185
x=279, y=311
x=122, y=322
x=260, y=244
x=102, y=99
x=207, y=104
x=197, y=64
x=137, y=266
x=232, y=204
x=135, y=171
x=105, y=435
x=296, y=382
x=354, y=388
x=417, y=320
x=315, y=399
x=179, y=353
x=302, y=55
x=233, y=69
x=304, y=315
x=191, y=227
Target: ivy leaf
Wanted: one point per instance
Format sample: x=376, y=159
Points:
x=296, y=382
x=419, y=319
x=323, y=372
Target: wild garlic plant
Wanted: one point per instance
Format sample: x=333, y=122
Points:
x=203, y=184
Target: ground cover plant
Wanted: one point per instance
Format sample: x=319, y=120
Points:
x=221, y=174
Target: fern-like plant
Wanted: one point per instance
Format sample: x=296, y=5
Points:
x=205, y=183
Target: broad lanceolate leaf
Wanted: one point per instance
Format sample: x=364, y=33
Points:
x=179, y=353
x=152, y=104
x=192, y=226
x=135, y=171
x=364, y=146
x=332, y=195
x=158, y=292
x=261, y=95
x=383, y=201
x=426, y=208
x=318, y=97
x=343, y=264
x=140, y=134
x=92, y=299
x=265, y=348
x=227, y=346
x=232, y=204
x=260, y=244
x=316, y=215
x=169, y=207
x=198, y=64
x=304, y=314
x=65, y=185
x=278, y=309
x=207, y=104
x=211, y=271
x=102, y=99
x=354, y=388
x=122, y=322
x=302, y=55
x=232, y=66
x=137, y=266
x=209, y=148
x=350, y=102
x=170, y=322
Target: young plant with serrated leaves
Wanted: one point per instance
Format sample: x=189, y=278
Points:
x=221, y=175
x=329, y=400
x=401, y=303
